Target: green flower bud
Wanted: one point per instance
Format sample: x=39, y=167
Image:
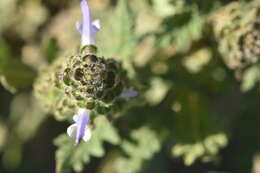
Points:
x=49, y=90
x=84, y=80
x=88, y=76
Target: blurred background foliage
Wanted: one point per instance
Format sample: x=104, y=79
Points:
x=195, y=62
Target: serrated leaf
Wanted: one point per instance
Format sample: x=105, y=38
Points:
x=73, y=157
x=196, y=133
x=181, y=29
x=63, y=153
x=207, y=147
x=144, y=145
x=117, y=37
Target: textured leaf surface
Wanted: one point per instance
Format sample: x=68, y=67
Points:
x=69, y=156
x=181, y=29
x=144, y=145
x=196, y=133
x=117, y=38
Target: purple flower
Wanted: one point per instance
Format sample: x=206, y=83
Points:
x=80, y=129
x=129, y=93
x=87, y=28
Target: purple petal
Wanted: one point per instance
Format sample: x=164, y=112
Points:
x=129, y=93
x=89, y=30
x=82, y=122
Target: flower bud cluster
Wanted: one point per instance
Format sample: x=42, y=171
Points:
x=49, y=90
x=91, y=80
x=85, y=81
x=237, y=34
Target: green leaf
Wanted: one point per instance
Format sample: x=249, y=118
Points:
x=3, y=134
x=63, y=153
x=14, y=75
x=126, y=44
x=117, y=38
x=206, y=148
x=181, y=29
x=196, y=133
x=251, y=77
x=51, y=49
x=197, y=60
x=4, y=55
x=69, y=156
x=144, y=145
x=163, y=7
x=17, y=76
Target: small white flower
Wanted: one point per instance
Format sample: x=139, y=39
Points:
x=80, y=129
